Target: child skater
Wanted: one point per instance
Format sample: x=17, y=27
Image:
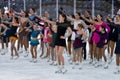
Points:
x=101, y=46
x=78, y=45
x=34, y=43
x=52, y=45
x=2, y=33
x=46, y=40
x=13, y=36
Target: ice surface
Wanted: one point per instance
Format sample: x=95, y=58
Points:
x=22, y=69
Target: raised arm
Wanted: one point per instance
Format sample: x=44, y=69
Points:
x=90, y=21
x=84, y=24
x=70, y=19
x=50, y=22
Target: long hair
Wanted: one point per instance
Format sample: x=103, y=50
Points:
x=65, y=17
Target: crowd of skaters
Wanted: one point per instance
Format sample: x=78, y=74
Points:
x=68, y=33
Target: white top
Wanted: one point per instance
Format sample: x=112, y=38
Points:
x=76, y=22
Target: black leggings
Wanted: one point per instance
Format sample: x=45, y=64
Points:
x=84, y=51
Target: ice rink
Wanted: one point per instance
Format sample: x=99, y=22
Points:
x=23, y=69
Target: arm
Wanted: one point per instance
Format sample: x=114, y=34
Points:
x=90, y=21
x=70, y=33
x=70, y=19
x=50, y=22
x=31, y=24
x=83, y=23
x=83, y=33
x=108, y=28
x=5, y=28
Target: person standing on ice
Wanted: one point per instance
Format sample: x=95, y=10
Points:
x=60, y=43
x=34, y=42
x=116, y=25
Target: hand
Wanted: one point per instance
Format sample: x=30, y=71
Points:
x=2, y=33
x=82, y=16
x=62, y=37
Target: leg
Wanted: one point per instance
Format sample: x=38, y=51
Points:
x=112, y=45
x=60, y=56
x=69, y=47
x=35, y=52
x=31, y=50
x=84, y=51
x=14, y=48
x=42, y=46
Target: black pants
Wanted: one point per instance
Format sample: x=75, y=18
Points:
x=84, y=51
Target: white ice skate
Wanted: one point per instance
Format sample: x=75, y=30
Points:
x=64, y=70
x=26, y=53
x=35, y=60
x=2, y=52
x=32, y=60
x=106, y=65
x=52, y=63
x=58, y=70
x=117, y=71
x=16, y=57
x=55, y=63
